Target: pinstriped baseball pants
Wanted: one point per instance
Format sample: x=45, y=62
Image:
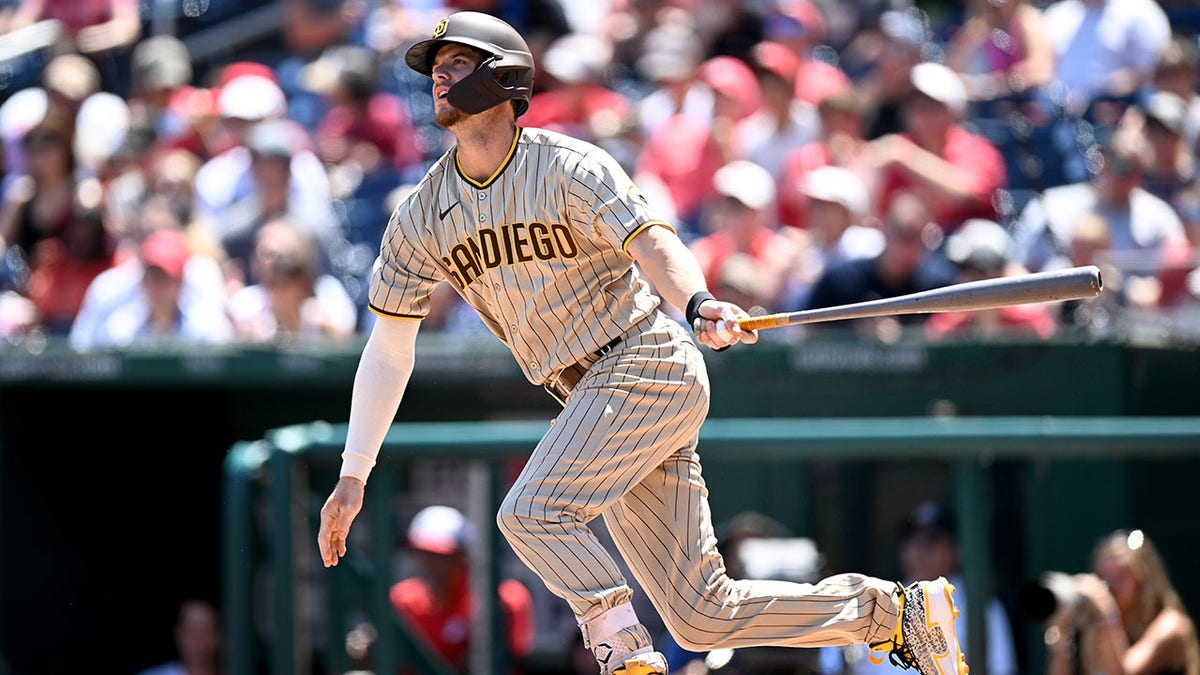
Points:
x=624, y=447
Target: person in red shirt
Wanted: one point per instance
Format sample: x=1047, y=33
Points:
x=953, y=171
x=438, y=603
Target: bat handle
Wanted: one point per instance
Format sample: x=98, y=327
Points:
x=761, y=322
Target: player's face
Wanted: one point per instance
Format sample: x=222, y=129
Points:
x=452, y=63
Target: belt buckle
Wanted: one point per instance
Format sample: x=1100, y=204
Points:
x=554, y=387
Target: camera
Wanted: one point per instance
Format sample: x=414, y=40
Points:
x=1053, y=594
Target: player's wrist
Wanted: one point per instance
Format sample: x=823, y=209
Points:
x=692, y=311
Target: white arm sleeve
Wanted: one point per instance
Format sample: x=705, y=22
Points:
x=379, y=383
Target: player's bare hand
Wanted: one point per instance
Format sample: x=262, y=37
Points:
x=717, y=326
x=336, y=516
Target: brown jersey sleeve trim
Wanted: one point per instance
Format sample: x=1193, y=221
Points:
x=512, y=150
x=642, y=228
x=393, y=315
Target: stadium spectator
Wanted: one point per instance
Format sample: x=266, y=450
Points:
x=799, y=25
x=981, y=249
x=39, y=204
x=291, y=299
x=841, y=143
x=163, y=102
x=954, y=171
x=1103, y=49
x=198, y=642
x=1176, y=73
x=273, y=146
x=839, y=228
x=1132, y=620
x=437, y=602
x=785, y=122
x=736, y=97
x=669, y=63
x=742, y=221
x=1002, y=50
x=1145, y=236
x=1170, y=162
x=248, y=96
x=886, y=84
x=907, y=264
x=165, y=294
x=929, y=545
x=103, y=30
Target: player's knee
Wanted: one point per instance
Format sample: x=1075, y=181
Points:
x=685, y=627
x=517, y=516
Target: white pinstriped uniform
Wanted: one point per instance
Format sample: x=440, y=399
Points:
x=539, y=251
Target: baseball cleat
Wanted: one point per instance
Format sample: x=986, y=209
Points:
x=650, y=663
x=925, y=638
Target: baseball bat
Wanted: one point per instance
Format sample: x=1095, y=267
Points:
x=1071, y=284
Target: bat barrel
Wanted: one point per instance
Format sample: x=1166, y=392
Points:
x=1070, y=284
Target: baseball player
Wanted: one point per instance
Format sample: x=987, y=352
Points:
x=549, y=240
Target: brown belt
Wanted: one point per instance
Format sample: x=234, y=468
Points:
x=563, y=382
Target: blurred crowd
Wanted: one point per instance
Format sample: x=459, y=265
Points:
x=233, y=185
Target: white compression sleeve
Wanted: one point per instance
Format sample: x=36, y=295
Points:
x=383, y=372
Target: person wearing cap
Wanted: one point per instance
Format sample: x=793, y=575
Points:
x=1170, y=170
x=1177, y=72
x=741, y=220
x=438, y=601
x=841, y=143
x=982, y=249
x=907, y=264
x=571, y=298
x=1145, y=234
x=956, y=172
x=164, y=295
x=785, y=122
x=249, y=94
x=838, y=230
x=928, y=544
x=799, y=26
x=669, y=64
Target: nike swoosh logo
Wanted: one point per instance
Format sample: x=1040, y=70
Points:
x=442, y=215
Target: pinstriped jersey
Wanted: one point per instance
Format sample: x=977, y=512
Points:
x=538, y=249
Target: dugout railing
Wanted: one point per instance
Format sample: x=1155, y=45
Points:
x=283, y=478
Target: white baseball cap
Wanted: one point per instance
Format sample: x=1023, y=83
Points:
x=440, y=529
x=979, y=243
x=838, y=185
x=940, y=84
x=747, y=182
x=251, y=97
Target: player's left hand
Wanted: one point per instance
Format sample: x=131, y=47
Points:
x=717, y=325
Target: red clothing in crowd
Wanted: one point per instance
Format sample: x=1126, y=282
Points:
x=796, y=166
x=684, y=156
x=569, y=111
x=712, y=250
x=386, y=125
x=1028, y=320
x=446, y=627
x=974, y=158
x=816, y=79
x=79, y=14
